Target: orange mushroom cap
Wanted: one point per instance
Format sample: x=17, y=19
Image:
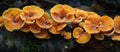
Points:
x=81, y=36
x=30, y=13
x=11, y=26
x=67, y=35
x=1, y=21
x=80, y=15
x=77, y=31
x=34, y=28
x=81, y=24
x=26, y=28
x=96, y=24
x=62, y=13
x=11, y=13
x=13, y=20
x=42, y=35
x=117, y=24
x=116, y=37
x=107, y=24
x=45, y=21
x=57, y=27
x=91, y=25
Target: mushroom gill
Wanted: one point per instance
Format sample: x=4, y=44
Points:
x=99, y=36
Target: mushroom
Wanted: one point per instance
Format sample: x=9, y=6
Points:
x=57, y=27
x=26, y=28
x=109, y=33
x=42, y=35
x=99, y=36
x=116, y=37
x=117, y=24
x=1, y=21
x=94, y=24
x=13, y=20
x=66, y=35
x=45, y=21
x=31, y=13
x=81, y=36
x=80, y=15
x=62, y=13
x=81, y=24
x=34, y=28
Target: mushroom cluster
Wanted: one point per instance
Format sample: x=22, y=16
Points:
x=84, y=23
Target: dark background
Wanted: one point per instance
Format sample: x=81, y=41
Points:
x=18, y=41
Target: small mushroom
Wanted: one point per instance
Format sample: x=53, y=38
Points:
x=77, y=31
x=99, y=36
x=81, y=24
x=1, y=21
x=34, y=28
x=81, y=36
x=30, y=13
x=26, y=28
x=45, y=21
x=66, y=35
x=80, y=15
x=84, y=38
x=57, y=27
x=42, y=35
x=116, y=37
x=117, y=24
x=94, y=25
x=62, y=13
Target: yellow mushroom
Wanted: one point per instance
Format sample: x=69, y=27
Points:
x=62, y=13
x=66, y=35
x=30, y=13
x=57, y=27
x=45, y=21
x=13, y=20
x=26, y=28
x=96, y=24
x=117, y=24
x=80, y=15
x=42, y=35
x=81, y=36
x=34, y=28
x=116, y=37
x=99, y=36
